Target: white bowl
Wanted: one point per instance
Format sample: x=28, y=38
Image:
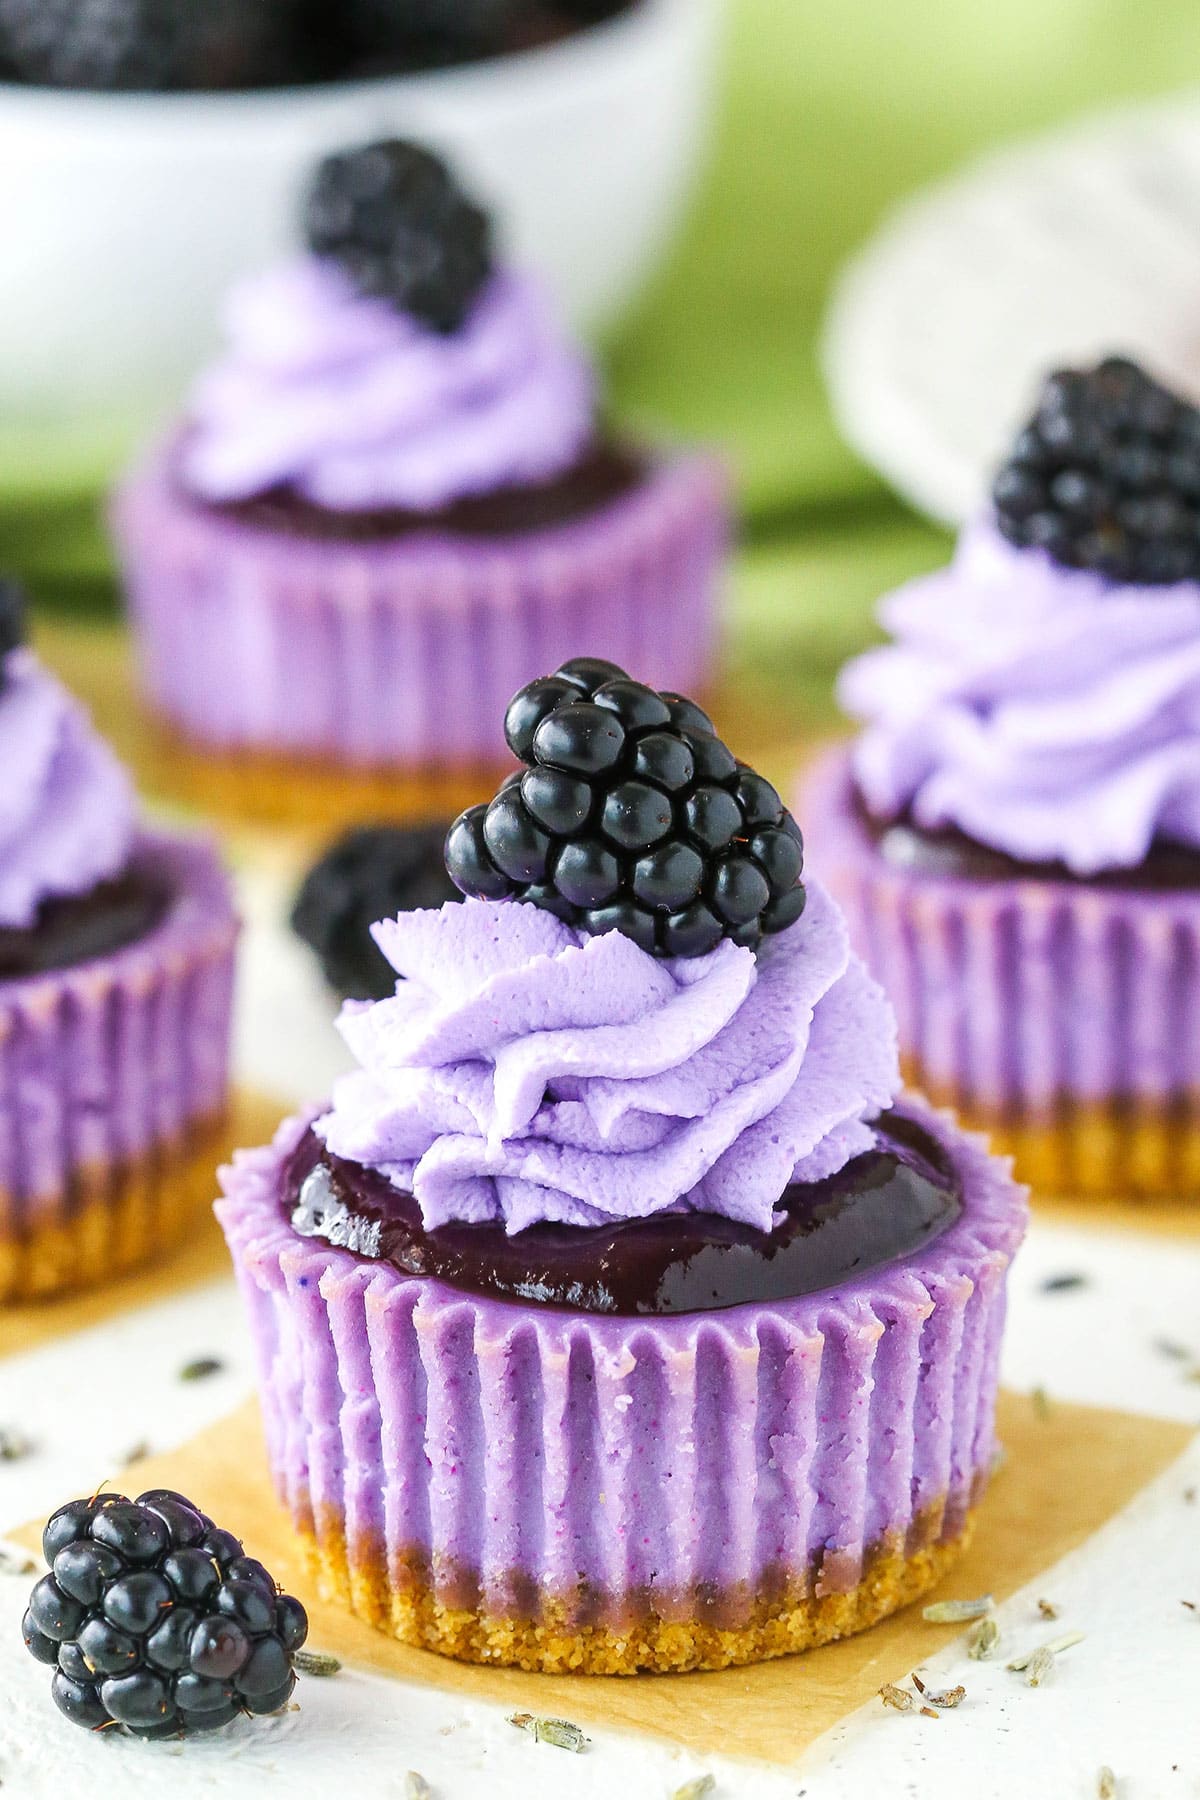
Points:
x=125, y=217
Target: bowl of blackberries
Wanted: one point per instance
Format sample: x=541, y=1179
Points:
x=151, y=151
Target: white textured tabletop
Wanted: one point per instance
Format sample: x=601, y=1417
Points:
x=1124, y=1332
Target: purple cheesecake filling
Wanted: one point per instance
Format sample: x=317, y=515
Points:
x=883, y=1206
x=516, y=1457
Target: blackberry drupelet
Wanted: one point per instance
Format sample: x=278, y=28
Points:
x=147, y=45
x=1106, y=476
x=373, y=872
x=13, y=620
x=155, y=1620
x=392, y=216
x=631, y=815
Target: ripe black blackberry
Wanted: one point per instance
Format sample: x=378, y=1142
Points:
x=631, y=815
x=373, y=872
x=147, y=44
x=421, y=31
x=1106, y=476
x=154, y=1619
x=590, y=12
x=393, y=217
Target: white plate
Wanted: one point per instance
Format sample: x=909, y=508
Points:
x=125, y=217
x=1057, y=251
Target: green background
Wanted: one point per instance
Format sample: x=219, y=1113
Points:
x=830, y=113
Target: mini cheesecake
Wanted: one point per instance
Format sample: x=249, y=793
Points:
x=116, y=974
x=672, y=1449
x=617, y=1314
x=392, y=503
x=1015, y=837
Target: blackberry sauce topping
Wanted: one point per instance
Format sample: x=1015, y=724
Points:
x=75, y=928
x=154, y=1619
x=372, y=872
x=393, y=218
x=882, y=1206
x=947, y=851
x=604, y=472
x=1106, y=476
x=631, y=815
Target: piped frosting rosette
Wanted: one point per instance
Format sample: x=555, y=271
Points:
x=526, y=1072
x=358, y=406
x=66, y=804
x=1044, y=711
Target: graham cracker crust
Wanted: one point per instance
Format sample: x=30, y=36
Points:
x=111, y=1219
x=556, y=1644
x=1120, y=1149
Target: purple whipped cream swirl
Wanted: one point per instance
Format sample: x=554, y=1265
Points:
x=358, y=407
x=1044, y=711
x=526, y=1072
x=67, y=810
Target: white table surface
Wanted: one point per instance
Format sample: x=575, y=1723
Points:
x=1128, y=1696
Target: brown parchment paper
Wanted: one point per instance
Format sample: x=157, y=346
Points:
x=202, y=1257
x=1068, y=1470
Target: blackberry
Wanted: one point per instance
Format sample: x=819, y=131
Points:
x=420, y=32
x=155, y=1620
x=631, y=815
x=590, y=12
x=373, y=872
x=147, y=44
x=392, y=216
x=13, y=626
x=1106, y=476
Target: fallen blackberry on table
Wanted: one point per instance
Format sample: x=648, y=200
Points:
x=393, y=217
x=147, y=45
x=631, y=815
x=1106, y=476
x=373, y=872
x=155, y=1620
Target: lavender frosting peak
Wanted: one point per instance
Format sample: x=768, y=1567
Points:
x=1044, y=711
x=357, y=406
x=526, y=1072
x=67, y=809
